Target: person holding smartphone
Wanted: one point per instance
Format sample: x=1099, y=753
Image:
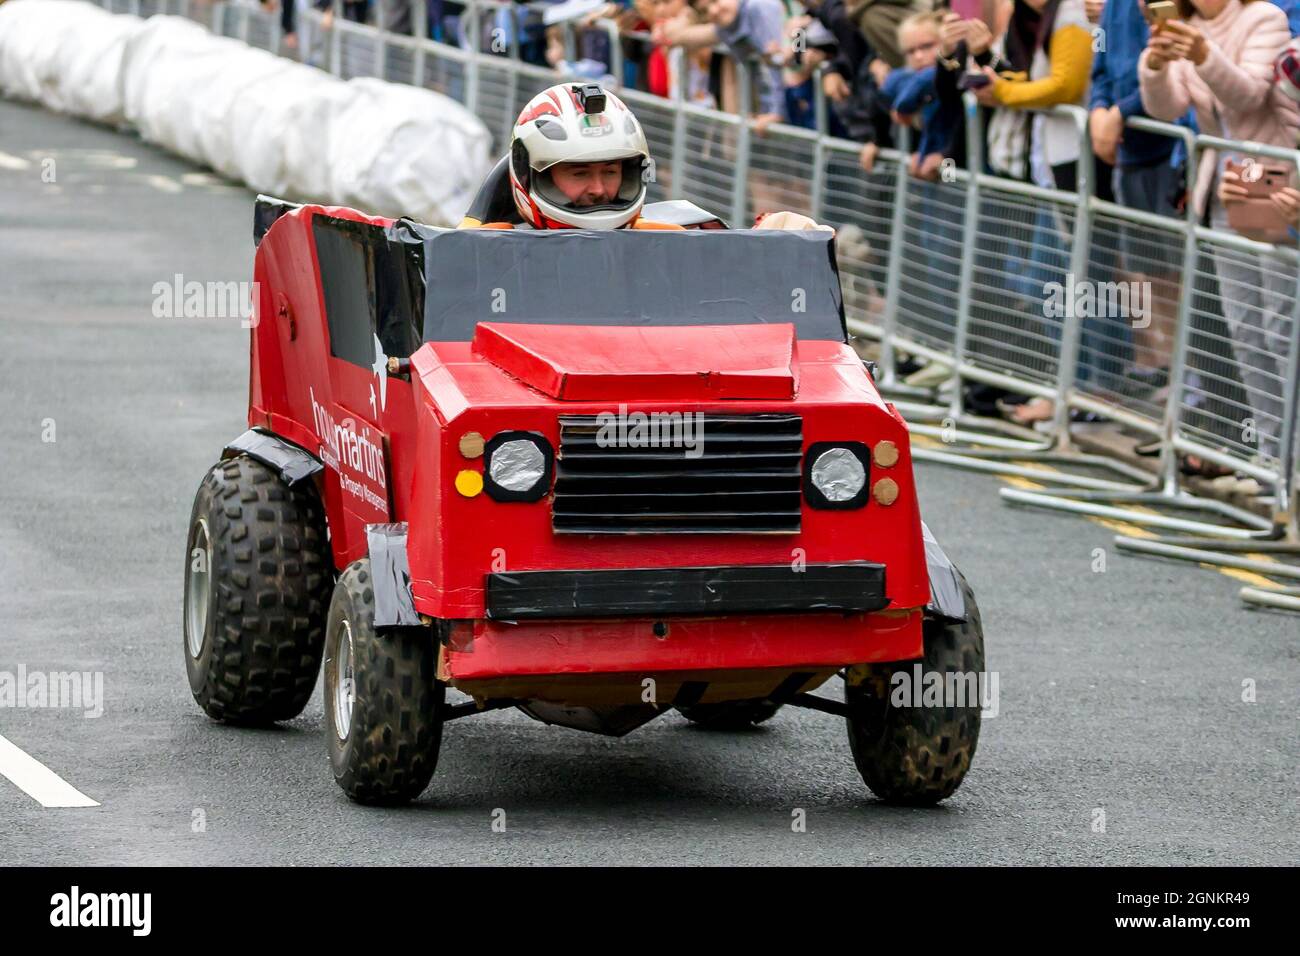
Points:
x=1282, y=202
x=1217, y=58
x=1048, y=58
x=1048, y=52
x=1145, y=179
x=966, y=45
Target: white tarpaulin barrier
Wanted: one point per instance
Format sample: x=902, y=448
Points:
x=67, y=56
x=279, y=126
x=90, y=66
x=392, y=151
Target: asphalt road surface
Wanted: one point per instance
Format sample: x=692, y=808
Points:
x=1120, y=690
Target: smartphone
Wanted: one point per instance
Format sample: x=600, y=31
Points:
x=967, y=9
x=973, y=81
x=1256, y=217
x=1158, y=11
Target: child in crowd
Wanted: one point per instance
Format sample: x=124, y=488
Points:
x=933, y=246
x=911, y=96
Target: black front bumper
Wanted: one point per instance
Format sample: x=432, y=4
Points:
x=663, y=592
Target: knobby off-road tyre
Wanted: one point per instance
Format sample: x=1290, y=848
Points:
x=730, y=715
x=918, y=756
x=257, y=589
x=383, y=702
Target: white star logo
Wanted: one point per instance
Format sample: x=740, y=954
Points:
x=380, y=368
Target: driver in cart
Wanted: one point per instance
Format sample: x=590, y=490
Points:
x=579, y=160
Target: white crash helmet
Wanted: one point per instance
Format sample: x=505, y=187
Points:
x=576, y=123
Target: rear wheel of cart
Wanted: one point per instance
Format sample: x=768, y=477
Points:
x=257, y=588
x=731, y=714
x=382, y=699
x=919, y=755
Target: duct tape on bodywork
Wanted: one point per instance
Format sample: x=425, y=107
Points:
x=394, y=604
x=266, y=210
x=293, y=463
x=946, y=598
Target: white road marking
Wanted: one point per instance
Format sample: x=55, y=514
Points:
x=106, y=159
x=10, y=161
x=164, y=184
x=89, y=158
x=202, y=179
x=38, y=781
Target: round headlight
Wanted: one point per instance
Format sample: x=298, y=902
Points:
x=838, y=474
x=518, y=466
x=835, y=474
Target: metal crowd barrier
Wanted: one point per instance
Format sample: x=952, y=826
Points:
x=955, y=271
x=967, y=296
x=1221, y=405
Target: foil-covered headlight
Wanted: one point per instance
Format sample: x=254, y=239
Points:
x=836, y=473
x=517, y=466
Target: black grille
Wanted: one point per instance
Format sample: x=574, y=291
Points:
x=746, y=480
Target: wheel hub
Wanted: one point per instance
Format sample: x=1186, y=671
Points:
x=198, y=581
x=344, y=691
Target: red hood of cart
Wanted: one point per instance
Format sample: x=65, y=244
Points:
x=580, y=363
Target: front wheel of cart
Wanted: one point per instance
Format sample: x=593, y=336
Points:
x=257, y=584
x=919, y=755
x=383, y=702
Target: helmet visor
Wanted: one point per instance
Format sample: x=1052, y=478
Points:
x=630, y=188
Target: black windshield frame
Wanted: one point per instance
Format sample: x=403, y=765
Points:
x=626, y=277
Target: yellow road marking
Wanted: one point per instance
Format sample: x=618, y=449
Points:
x=1250, y=577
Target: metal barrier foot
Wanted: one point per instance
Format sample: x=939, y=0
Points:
x=992, y=444
x=915, y=413
x=996, y=466
x=1282, y=599
x=890, y=389
x=1261, y=545
x=1219, y=558
x=1068, y=501
x=1016, y=456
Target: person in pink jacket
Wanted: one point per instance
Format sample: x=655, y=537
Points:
x=1218, y=60
x=1285, y=200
